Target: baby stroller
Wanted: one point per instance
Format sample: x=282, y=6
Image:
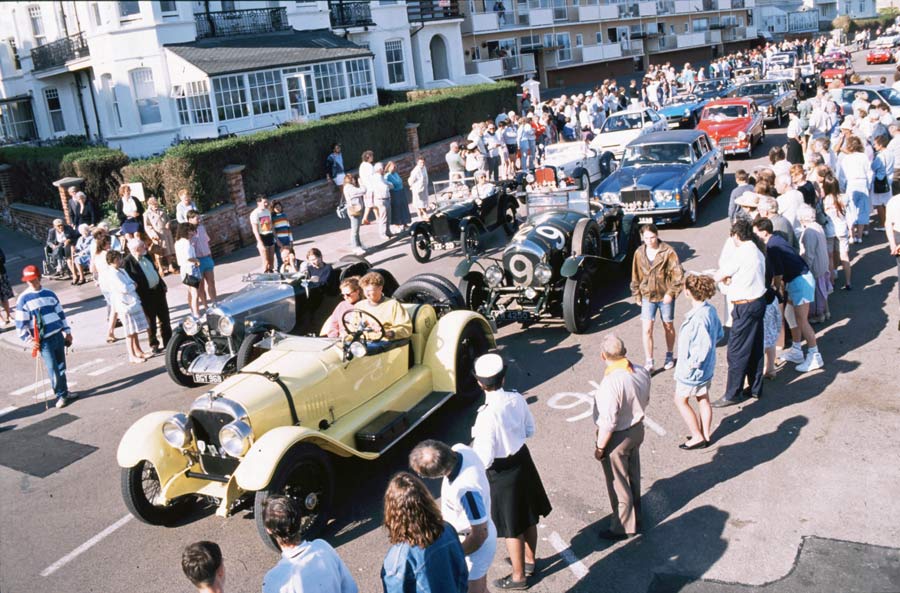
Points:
x=54, y=265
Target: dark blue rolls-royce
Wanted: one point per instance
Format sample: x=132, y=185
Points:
x=663, y=176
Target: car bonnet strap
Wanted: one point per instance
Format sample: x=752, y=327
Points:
x=276, y=378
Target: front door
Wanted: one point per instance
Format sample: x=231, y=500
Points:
x=300, y=96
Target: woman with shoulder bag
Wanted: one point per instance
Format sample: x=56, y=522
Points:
x=189, y=264
x=353, y=202
x=128, y=306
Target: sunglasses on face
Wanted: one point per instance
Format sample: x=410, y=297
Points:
x=347, y=295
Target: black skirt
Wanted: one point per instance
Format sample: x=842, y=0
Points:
x=518, y=499
x=794, y=152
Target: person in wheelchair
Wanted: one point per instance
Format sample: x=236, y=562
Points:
x=61, y=239
x=396, y=326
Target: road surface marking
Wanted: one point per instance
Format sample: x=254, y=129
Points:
x=103, y=370
x=85, y=365
x=654, y=426
x=575, y=565
x=39, y=385
x=7, y=410
x=85, y=546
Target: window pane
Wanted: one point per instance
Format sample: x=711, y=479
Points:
x=55, y=108
x=131, y=8
x=330, y=84
x=145, y=96
x=266, y=92
x=393, y=51
x=359, y=73
x=230, y=97
x=168, y=6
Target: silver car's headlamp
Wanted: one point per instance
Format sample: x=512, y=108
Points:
x=543, y=273
x=226, y=325
x=177, y=431
x=190, y=325
x=493, y=276
x=236, y=438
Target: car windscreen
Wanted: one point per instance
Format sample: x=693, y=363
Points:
x=723, y=112
x=649, y=154
x=768, y=88
x=709, y=86
x=891, y=96
x=680, y=100
x=834, y=64
x=622, y=122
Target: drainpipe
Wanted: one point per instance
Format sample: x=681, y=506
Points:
x=77, y=76
x=90, y=85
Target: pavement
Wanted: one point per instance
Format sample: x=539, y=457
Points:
x=797, y=494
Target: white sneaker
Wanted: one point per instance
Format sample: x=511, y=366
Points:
x=794, y=355
x=60, y=402
x=648, y=366
x=813, y=361
x=359, y=251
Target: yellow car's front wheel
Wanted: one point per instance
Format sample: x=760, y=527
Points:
x=142, y=493
x=305, y=475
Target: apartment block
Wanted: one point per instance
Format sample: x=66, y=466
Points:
x=564, y=42
x=143, y=75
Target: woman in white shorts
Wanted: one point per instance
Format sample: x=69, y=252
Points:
x=696, y=361
x=836, y=209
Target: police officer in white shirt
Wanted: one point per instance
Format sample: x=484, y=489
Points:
x=465, y=502
x=742, y=276
x=518, y=498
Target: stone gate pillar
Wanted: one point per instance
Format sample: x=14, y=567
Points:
x=63, y=185
x=234, y=180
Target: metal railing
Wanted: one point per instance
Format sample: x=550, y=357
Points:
x=431, y=10
x=351, y=14
x=241, y=22
x=57, y=53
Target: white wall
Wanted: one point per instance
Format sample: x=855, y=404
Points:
x=421, y=49
x=391, y=22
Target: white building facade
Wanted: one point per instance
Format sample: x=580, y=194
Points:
x=143, y=75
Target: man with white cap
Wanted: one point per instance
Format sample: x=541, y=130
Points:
x=518, y=498
x=465, y=502
x=619, y=405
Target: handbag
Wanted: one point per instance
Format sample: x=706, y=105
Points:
x=881, y=186
x=341, y=212
x=191, y=280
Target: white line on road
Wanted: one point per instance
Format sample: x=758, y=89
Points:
x=39, y=385
x=654, y=426
x=575, y=565
x=103, y=370
x=85, y=365
x=7, y=410
x=85, y=546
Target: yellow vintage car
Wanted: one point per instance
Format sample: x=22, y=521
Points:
x=273, y=427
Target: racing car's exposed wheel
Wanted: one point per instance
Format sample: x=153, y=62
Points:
x=425, y=289
x=421, y=245
x=510, y=224
x=248, y=351
x=181, y=351
x=471, y=240
x=305, y=475
x=472, y=344
x=577, y=303
x=586, y=238
x=141, y=490
x=474, y=290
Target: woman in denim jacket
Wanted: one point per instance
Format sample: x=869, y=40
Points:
x=425, y=555
x=696, y=363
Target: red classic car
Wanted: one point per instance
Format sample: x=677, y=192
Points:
x=734, y=124
x=879, y=55
x=836, y=69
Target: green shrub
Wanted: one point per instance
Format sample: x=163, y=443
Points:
x=292, y=155
x=101, y=169
x=34, y=169
x=151, y=173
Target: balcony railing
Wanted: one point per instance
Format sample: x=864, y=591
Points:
x=432, y=10
x=241, y=22
x=57, y=53
x=351, y=14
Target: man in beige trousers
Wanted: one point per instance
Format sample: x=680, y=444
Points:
x=619, y=405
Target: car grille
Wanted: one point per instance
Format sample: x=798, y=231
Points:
x=639, y=194
x=728, y=142
x=441, y=225
x=206, y=426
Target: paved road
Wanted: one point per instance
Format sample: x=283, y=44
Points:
x=812, y=464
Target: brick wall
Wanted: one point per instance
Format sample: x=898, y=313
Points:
x=34, y=221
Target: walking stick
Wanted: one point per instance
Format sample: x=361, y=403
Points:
x=35, y=354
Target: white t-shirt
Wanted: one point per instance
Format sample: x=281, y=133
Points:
x=310, y=567
x=466, y=498
x=262, y=220
x=184, y=251
x=502, y=425
x=746, y=266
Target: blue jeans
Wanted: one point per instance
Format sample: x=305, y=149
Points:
x=666, y=310
x=53, y=351
x=355, y=221
x=527, y=148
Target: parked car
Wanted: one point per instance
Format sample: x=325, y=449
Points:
x=231, y=333
x=550, y=268
x=713, y=88
x=845, y=96
x=461, y=218
x=788, y=66
x=774, y=98
x=275, y=427
x=836, y=69
x=578, y=163
x=622, y=127
x=683, y=111
x=887, y=42
x=880, y=55
x=746, y=74
x=735, y=125
x=663, y=177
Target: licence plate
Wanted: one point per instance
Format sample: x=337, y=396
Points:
x=515, y=315
x=207, y=378
x=645, y=220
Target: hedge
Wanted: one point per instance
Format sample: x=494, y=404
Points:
x=151, y=173
x=100, y=167
x=292, y=155
x=34, y=169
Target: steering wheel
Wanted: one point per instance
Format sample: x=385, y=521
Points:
x=362, y=324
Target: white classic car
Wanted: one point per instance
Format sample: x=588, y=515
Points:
x=622, y=127
x=579, y=161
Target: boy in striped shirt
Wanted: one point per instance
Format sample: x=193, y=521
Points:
x=41, y=323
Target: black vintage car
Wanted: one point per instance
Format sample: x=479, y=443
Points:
x=550, y=266
x=465, y=212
